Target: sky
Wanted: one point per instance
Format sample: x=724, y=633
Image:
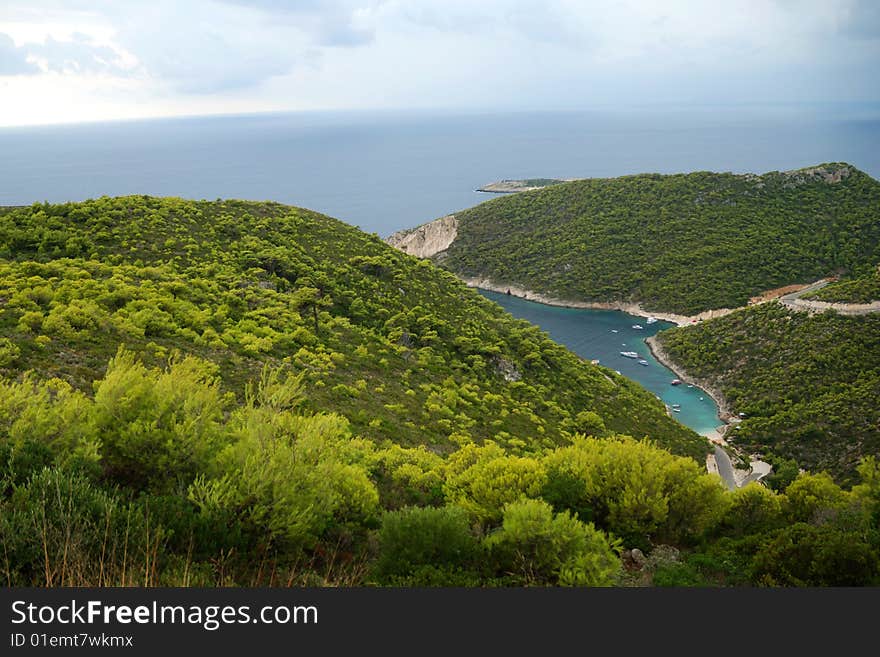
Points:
x=89, y=60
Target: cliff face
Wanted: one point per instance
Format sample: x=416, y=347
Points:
x=428, y=239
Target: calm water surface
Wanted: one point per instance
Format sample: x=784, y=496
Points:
x=387, y=171
x=602, y=335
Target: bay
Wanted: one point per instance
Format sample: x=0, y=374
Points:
x=601, y=335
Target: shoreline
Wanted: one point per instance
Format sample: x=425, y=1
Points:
x=715, y=435
x=631, y=308
x=664, y=359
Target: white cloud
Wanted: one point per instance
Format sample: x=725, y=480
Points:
x=150, y=57
x=14, y=59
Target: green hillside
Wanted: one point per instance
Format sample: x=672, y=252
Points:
x=808, y=384
x=402, y=349
x=247, y=394
x=677, y=243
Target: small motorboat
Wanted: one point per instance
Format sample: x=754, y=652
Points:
x=677, y=410
x=675, y=382
x=614, y=330
x=651, y=320
x=643, y=362
x=629, y=354
x=638, y=327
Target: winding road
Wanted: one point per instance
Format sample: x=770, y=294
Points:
x=794, y=302
x=725, y=468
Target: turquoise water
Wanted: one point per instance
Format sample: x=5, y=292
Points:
x=591, y=334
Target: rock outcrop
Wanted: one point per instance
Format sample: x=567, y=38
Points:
x=428, y=239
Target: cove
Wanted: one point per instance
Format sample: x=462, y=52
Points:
x=601, y=335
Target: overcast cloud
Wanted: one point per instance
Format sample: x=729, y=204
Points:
x=77, y=60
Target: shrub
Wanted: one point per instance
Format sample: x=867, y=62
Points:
x=426, y=546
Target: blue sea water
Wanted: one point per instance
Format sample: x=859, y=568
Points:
x=601, y=335
x=387, y=171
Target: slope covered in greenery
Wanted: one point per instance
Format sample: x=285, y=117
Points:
x=402, y=349
x=296, y=403
x=808, y=384
x=676, y=243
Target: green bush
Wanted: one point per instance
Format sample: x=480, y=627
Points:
x=536, y=547
x=426, y=546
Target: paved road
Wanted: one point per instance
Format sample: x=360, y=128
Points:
x=794, y=302
x=725, y=468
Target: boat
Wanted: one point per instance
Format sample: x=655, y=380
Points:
x=651, y=320
x=638, y=327
x=643, y=362
x=690, y=385
x=676, y=407
x=614, y=330
x=675, y=382
x=629, y=354
x=677, y=410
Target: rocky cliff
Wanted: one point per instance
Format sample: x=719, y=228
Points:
x=428, y=239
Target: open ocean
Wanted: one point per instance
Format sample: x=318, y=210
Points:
x=387, y=171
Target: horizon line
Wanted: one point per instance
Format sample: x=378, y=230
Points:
x=479, y=110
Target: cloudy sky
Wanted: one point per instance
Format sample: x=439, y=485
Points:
x=82, y=60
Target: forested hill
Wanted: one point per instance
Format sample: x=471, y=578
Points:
x=401, y=349
x=296, y=403
x=677, y=243
x=809, y=385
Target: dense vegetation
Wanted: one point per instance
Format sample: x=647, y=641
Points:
x=404, y=350
x=809, y=385
x=677, y=243
x=236, y=393
x=858, y=289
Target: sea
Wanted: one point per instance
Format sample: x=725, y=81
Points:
x=384, y=171
x=602, y=335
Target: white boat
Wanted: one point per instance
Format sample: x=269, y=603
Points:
x=643, y=362
x=638, y=327
x=614, y=330
x=629, y=354
x=651, y=320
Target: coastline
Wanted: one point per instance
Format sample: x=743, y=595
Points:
x=715, y=435
x=724, y=412
x=627, y=307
